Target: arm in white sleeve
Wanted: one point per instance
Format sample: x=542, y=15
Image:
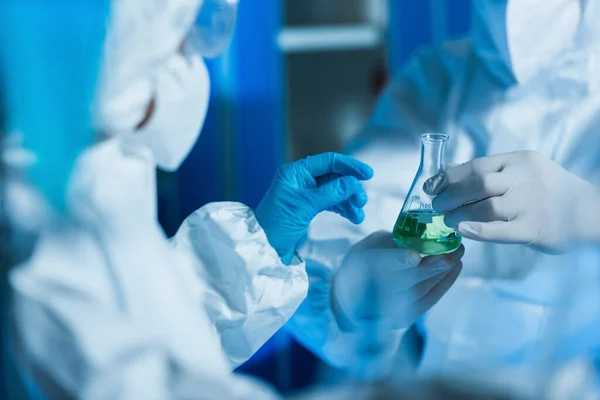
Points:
x=330, y=335
x=112, y=318
x=413, y=103
x=250, y=293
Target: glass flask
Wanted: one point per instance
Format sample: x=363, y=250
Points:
x=419, y=227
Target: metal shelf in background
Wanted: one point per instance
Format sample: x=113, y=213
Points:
x=329, y=38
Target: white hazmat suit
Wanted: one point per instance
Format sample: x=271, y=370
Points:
x=528, y=78
x=107, y=307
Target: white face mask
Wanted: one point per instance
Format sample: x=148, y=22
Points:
x=181, y=98
x=516, y=39
x=144, y=65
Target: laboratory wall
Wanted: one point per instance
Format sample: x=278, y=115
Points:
x=300, y=78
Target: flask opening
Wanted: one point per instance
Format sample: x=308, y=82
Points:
x=434, y=137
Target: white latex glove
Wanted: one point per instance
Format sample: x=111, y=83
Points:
x=378, y=281
x=517, y=198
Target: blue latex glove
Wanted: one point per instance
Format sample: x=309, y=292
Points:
x=301, y=190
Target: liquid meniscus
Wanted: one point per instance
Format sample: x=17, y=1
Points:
x=425, y=232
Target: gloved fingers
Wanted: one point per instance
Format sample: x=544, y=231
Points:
x=513, y=232
x=356, y=215
x=422, y=289
x=357, y=201
x=416, y=309
x=374, y=261
x=321, y=180
x=335, y=192
x=488, y=210
x=408, y=294
x=447, y=262
x=383, y=240
x=443, y=260
x=381, y=262
x=479, y=166
x=335, y=163
x=473, y=188
x=430, y=267
x=352, y=209
x=407, y=267
x=438, y=291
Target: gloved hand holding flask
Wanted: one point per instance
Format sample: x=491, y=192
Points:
x=403, y=284
x=379, y=291
x=518, y=198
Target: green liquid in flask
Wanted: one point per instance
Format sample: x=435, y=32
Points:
x=425, y=232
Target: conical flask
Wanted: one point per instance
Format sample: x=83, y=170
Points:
x=419, y=227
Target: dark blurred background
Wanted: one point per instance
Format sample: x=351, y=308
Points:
x=300, y=78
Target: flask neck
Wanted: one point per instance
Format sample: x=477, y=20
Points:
x=432, y=157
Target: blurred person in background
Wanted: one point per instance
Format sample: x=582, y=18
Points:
x=106, y=306
x=526, y=79
x=43, y=89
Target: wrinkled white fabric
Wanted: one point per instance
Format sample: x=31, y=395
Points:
x=108, y=308
x=495, y=313
x=250, y=293
x=517, y=38
x=80, y=329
